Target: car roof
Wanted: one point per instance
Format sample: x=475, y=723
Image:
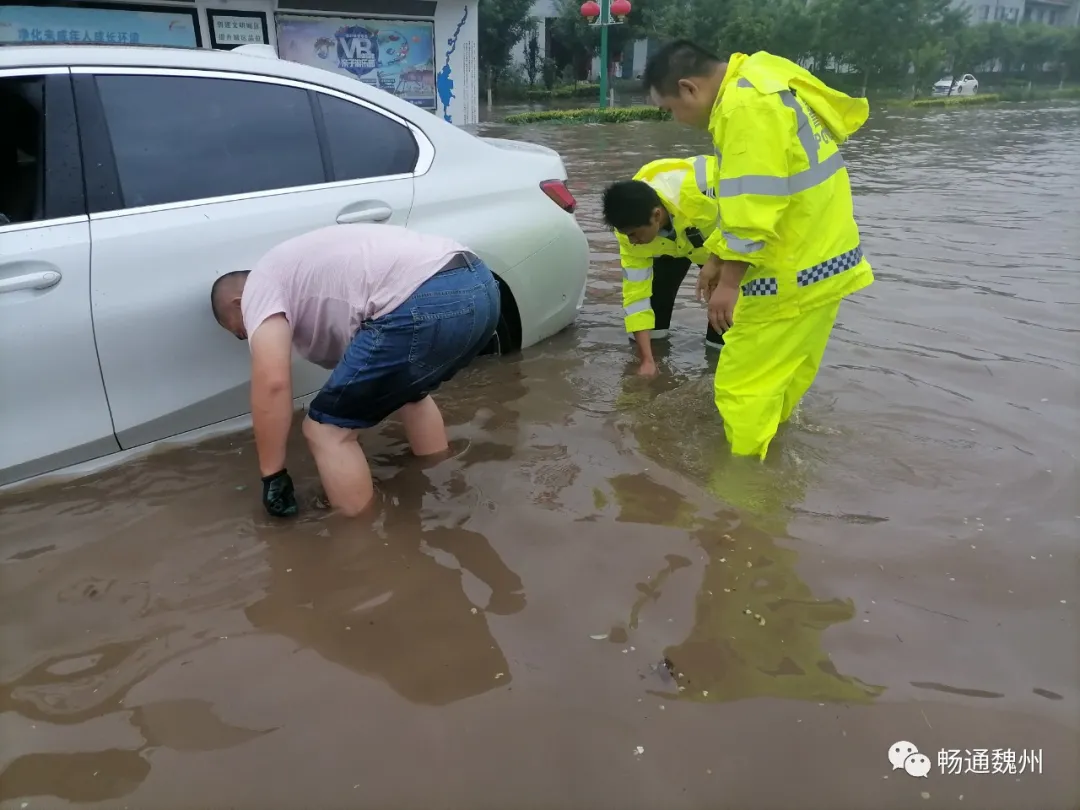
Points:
x=147, y=56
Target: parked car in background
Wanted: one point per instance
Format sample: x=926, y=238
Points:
x=168, y=167
x=967, y=85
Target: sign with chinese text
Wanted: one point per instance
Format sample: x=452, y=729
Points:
x=231, y=30
x=67, y=24
x=394, y=55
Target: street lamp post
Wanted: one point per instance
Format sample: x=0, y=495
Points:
x=605, y=14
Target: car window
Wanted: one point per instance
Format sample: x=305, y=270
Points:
x=22, y=149
x=364, y=143
x=179, y=138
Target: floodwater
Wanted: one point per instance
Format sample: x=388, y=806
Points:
x=591, y=605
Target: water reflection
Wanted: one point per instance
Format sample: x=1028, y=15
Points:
x=387, y=600
x=87, y=692
x=757, y=626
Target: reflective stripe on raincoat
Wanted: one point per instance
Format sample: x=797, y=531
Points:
x=686, y=188
x=783, y=187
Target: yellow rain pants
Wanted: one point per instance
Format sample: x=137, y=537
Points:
x=763, y=372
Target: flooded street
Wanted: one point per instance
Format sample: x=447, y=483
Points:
x=592, y=605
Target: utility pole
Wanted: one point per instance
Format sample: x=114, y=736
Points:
x=605, y=23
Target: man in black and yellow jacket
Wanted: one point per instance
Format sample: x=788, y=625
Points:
x=662, y=219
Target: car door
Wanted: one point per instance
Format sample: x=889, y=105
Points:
x=197, y=174
x=53, y=410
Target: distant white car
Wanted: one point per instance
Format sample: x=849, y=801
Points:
x=968, y=85
x=132, y=177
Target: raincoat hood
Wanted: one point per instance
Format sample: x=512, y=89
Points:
x=841, y=113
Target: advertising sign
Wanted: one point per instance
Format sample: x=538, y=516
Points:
x=394, y=55
x=65, y=24
x=230, y=29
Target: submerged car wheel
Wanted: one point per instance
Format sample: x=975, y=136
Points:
x=507, y=337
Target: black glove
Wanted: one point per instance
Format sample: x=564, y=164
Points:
x=278, y=495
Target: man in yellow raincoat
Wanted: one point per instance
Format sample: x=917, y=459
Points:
x=661, y=218
x=786, y=209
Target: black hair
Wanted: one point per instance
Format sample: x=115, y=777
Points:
x=630, y=204
x=223, y=289
x=681, y=59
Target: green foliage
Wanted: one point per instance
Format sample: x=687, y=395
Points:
x=890, y=44
x=533, y=62
x=1032, y=93
x=501, y=25
x=592, y=115
x=551, y=73
x=581, y=41
x=578, y=90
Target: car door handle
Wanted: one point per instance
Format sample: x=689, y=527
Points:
x=376, y=213
x=31, y=281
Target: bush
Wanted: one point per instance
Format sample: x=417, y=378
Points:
x=1033, y=93
x=950, y=101
x=566, y=91
x=592, y=115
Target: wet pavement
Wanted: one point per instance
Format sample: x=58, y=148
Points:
x=591, y=605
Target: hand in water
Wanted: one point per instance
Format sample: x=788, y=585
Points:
x=647, y=369
x=278, y=495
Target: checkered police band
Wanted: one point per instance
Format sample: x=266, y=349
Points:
x=804, y=278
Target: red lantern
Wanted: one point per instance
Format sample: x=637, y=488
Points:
x=591, y=10
x=620, y=8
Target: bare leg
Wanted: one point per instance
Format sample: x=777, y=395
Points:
x=424, y=427
x=343, y=468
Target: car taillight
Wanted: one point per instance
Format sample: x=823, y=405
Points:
x=559, y=194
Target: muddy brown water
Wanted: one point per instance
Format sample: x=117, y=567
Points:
x=591, y=605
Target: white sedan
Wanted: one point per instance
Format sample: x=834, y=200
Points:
x=131, y=177
x=967, y=85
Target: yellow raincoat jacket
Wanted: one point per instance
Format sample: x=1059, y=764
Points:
x=783, y=187
x=686, y=188
x=785, y=199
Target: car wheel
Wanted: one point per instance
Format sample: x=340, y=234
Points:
x=507, y=337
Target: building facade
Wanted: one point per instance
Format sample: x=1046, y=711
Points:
x=1060, y=13
x=424, y=51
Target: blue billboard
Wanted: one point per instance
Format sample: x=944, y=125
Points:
x=394, y=55
x=112, y=26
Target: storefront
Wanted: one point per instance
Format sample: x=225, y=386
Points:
x=424, y=51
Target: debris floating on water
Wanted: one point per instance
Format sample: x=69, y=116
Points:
x=594, y=637
x=639, y=750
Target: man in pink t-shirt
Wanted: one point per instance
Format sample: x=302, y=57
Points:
x=395, y=313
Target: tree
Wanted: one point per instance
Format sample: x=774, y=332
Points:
x=868, y=34
x=926, y=63
x=968, y=49
x=500, y=26
x=582, y=41
x=533, y=63
x=1003, y=45
x=702, y=21
x=1037, y=45
x=1069, y=55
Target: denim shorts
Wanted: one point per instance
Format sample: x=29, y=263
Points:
x=404, y=355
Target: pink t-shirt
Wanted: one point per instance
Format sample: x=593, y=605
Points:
x=328, y=282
